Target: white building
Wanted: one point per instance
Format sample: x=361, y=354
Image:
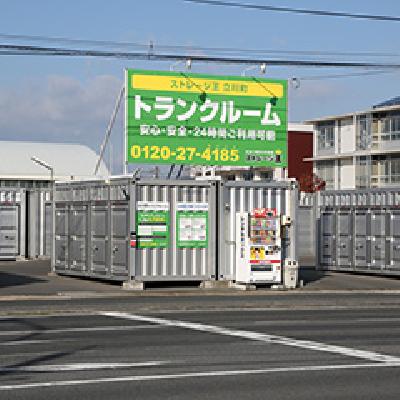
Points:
x=70, y=161
x=25, y=192
x=360, y=149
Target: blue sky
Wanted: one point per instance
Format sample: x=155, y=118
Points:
x=59, y=99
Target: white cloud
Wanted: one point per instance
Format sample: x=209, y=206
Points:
x=60, y=109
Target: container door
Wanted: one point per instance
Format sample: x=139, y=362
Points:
x=47, y=228
x=8, y=232
x=327, y=251
x=378, y=239
x=361, y=242
x=395, y=240
x=119, y=240
x=61, y=239
x=100, y=240
x=78, y=238
x=344, y=239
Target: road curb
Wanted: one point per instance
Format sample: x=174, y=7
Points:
x=199, y=293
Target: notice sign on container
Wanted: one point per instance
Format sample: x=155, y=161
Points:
x=152, y=220
x=192, y=224
x=181, y=118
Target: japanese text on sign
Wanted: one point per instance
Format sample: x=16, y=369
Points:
x=206, y=120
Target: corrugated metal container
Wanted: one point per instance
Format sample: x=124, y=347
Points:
x=244, y=196
x=359, y=231
x=305, y=234
x=173, y=262
x=98, y=232
x=10, y=217
x=23, y=223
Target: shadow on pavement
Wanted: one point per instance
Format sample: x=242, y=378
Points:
x=8, y=279
x=310, y=274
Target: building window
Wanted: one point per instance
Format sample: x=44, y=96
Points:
x=325, y=170
x=326, y=135
x=266, y=176
x=391, y=127
x=385, y=171
x=248, y=176
x=363, y=172
x=395, y=170
x=364, y=136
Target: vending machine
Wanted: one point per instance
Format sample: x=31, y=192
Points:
x=258, y=247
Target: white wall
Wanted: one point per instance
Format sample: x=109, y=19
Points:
x=347, y=174
x=347, y=132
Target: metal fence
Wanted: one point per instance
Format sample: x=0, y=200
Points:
x=97, y=227
x=359, y=230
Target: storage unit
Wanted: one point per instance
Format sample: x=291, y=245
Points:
x=359, y=231
x=23, y=223
x=160, y=230
x=241, y=196
x=305, y=230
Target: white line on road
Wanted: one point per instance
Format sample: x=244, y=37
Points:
x=23, y=342
x=72, y=330
x=383, y=319
x=262, y=337
x=80, y=366
x=210, y=374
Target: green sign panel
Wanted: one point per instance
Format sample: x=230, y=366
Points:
x=152, y=224
x=192, y=224
x=181, y=118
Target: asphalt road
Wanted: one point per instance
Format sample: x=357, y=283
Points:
x=121, y=352
x=85, y=339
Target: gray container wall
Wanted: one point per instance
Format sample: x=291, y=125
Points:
x=23, y=223
x=108, y=214
x=359, y=231
x=174, y=263
x=100, y=245
x=306, y=232
x=10, y=220
x=88, y=228
x=243, y=196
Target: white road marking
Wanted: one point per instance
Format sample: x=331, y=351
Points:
x=48, y=315
x=212, y=374
x=71, y=330
x=383, y=319
x=22, y=342
x=80, y=366
x=262, y=337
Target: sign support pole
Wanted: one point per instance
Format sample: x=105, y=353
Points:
x=125, y=159
x=109, y=129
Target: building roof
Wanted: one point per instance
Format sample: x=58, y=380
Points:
x=374, y=109
x=299, y=127
x=395, y=101
x=68, y=160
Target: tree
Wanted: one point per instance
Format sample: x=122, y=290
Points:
x=311, y=183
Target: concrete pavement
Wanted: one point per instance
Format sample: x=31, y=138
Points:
x=30, y=278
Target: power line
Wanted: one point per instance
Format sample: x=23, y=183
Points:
x=349, y=75
x=7, y=49
x=143, y=46
x=296, y=10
